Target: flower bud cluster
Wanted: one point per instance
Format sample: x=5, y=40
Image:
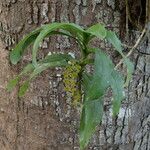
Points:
x=71, y=76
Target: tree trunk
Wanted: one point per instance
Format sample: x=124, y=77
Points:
x=44, y=119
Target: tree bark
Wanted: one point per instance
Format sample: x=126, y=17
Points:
x=44, y=119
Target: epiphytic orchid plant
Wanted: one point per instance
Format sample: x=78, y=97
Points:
x=84, y=88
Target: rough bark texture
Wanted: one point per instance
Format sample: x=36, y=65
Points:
x=44, y=119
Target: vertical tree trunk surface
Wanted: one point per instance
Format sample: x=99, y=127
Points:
x=44, y=119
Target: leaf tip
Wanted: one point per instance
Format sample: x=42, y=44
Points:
x=11, y=84
x=23, y=89
x=14, y=57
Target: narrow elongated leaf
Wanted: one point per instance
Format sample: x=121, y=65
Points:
x=130, y=69
x=101, y=76
x=47, y=29
x=96, y=88
x=113, y=39
x=27, y=69
x=116, y=84
x=91, y=116
x=50, y=61
x=70, y=27
x=110, y=77
x=12, y=83
x=86, y=78
x=98, y=31
x=104, y=76
x=56, y=57
x=24, y=87
x=53, y=60
x=41, y=67
x=17, y=52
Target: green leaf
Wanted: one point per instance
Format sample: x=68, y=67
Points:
x=92, y=113
x=27, y=69
x=50, y=61
x=17, y=52
x=104, y=76
x=109, y=77
x=70, y=27
x=56, y=57
x=12, y=83
x=130, y=69
x=101, y=76
x=24, y=87
x=97, y=30
x=54, y=60
x=86, y=78
x=41, y=67
x=116, y=84
x=113, y=39
x=47, y=29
